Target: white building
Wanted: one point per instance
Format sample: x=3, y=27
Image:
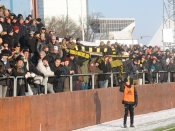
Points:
x=114, y=28
x=74, y=9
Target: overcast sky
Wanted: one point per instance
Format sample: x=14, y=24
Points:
x=148, y=14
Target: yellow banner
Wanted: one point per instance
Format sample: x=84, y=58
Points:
x=79, y=53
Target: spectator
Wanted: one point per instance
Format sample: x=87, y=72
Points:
x=33, y=26
x=74, y=67
x=66, y=82
x=39, y=24
x=106, y=68
x=58, y=84
x=38, y=76
x=16, y=35
x=20, y=70
x=22, y=31
x=5, y=72
x=43, y=67
x=52, y=44
x=9, y=38
x=41, y=43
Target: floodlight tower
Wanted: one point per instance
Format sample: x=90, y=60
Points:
x=168, y=32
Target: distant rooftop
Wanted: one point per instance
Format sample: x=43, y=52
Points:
x=116, y=18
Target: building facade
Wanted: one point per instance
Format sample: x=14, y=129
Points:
x=74, y=9
x=114, y=28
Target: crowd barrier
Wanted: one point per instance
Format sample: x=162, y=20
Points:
x=73, y=110
x=92, y=76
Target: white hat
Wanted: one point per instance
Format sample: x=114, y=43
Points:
x=55, y=47
x=167, y=60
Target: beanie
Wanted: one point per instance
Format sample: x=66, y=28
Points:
x=15, y=28
x=66, y=59
x=38, y=19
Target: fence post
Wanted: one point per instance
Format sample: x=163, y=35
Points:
x=15, y=85
x=143, y=78
x=70, y=83
x=169, y=76
x=157, y=77
x=45, y=85
x=112, y=81
x=93, y=77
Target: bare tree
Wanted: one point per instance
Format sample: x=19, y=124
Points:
x=94, y=26
x=63, y=26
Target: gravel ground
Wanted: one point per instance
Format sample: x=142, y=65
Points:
x=145, y=122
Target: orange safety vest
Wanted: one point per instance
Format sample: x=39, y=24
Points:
x=128, y=95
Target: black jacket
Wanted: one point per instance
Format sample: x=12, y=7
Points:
x=74, y=67
x=31, y=43
x=10, y=40
x=105, y=68
x=16, y=38
x=39, y=26
x=61, y=70
x=22, y=30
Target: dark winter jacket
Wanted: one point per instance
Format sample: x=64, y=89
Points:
x=61, y=70
x=105, y=68
x=74, y=67
x=22, y=30
x=10, y=40
x=31, y=43
x=39, y=26
x=16, y=38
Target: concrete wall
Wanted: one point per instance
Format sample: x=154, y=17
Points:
x=72, y=110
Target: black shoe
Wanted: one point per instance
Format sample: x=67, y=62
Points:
x=132, y=125
x=125, y=126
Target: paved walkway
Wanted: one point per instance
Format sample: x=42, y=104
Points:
x=146, y=122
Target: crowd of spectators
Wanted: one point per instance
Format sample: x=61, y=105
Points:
x=28, y=49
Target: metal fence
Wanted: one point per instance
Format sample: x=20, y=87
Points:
x=92, y=76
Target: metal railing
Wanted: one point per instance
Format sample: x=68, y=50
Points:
x=15, y=79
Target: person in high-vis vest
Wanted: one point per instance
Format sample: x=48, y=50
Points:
x=130, y=100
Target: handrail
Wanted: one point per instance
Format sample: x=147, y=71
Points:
x=88, y=74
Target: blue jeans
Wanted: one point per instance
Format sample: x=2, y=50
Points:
x=84, y=86
x=103, y=84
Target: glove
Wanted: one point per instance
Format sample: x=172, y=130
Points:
x=137, y=72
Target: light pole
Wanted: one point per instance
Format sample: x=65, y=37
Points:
x=82, y=22
x=67, y=19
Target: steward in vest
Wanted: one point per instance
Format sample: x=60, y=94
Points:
x=130, y=99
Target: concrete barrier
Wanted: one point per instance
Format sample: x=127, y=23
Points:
x=73, y=110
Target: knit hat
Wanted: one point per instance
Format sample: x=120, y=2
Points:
x=20, y=57
x=46, y=58
x=43, y=28
x=15, y=28
x=32, y=32
x=9, y=30
x=15, y=18
x=5, y=52
x=27, y=18
x=53, y=38
x=43, y=53
x=55, y=47
x=20, y=16
x=66, y=59
x=25, y=50
x=38, y=19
